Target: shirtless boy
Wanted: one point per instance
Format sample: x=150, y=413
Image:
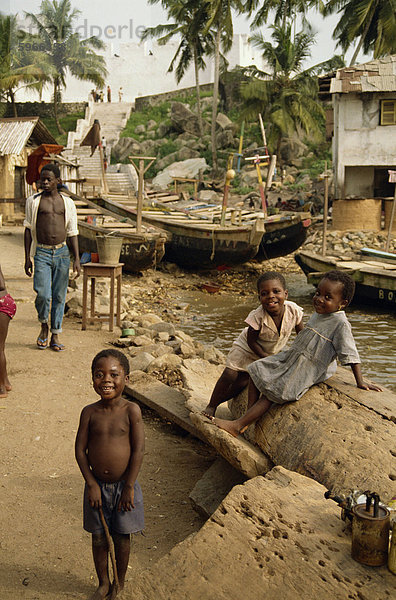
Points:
x=109, y=451
x=50, y=230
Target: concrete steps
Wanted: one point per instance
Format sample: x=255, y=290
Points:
x=112, y=117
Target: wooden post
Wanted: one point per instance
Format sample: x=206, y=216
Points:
x=392, y=179
x=325, y=210
x=140, y=170
x=229, y=175
x=240, y=147
x=257, y=158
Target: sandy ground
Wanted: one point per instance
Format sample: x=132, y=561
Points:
x=45, y=552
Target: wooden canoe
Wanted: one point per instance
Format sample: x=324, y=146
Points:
x=139, y=251
x=375, y=281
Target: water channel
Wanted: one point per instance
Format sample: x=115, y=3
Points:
x=216, y=319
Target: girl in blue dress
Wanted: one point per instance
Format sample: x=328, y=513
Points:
x=311, y=359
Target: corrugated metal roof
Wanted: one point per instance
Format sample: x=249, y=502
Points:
x=15, y=134
x=374, y=76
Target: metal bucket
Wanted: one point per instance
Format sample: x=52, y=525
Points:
x=370, y=535
x=109, y=249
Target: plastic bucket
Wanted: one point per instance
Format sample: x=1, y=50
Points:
x=109, y=249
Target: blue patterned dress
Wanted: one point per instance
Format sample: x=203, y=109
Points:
x=311, y=359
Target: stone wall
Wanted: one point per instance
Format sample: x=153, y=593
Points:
x=144, y=101
x=40, y=109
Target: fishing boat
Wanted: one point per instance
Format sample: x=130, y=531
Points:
x=284, y=233
x=139, y=251
x=198, y=237
x=194, y=240
x=375, y=279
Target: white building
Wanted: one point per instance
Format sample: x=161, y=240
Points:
x=364, y=138
x=141, y=69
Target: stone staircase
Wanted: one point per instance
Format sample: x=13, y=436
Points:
x=112, y=117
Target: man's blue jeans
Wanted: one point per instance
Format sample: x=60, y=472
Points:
x=50, y=280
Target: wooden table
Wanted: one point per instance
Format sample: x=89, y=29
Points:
x=114, y=272
x=177, y=180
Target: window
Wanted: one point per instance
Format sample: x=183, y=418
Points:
x=388, y=112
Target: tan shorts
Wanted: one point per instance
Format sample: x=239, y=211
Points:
x=239, y=360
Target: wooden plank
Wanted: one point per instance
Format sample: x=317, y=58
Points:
x=166, y=401
x=88, y=211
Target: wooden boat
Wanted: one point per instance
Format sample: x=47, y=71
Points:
x=198, y=239
x=139, y=251
x=375, y=280
x=284, y=233
x=194, y=240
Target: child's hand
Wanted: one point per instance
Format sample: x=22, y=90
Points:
x=94, y=495
x=369, y=386
x=127, y=497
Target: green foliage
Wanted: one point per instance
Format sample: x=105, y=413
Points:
x=286, y=96
x=157, y=113
x=372, y=22
x=237, y=187
x=68, y=123
x=60, y=49
x=167, y=148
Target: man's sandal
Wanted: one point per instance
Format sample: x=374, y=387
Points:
x=42, y=344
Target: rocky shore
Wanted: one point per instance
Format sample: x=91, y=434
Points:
x=336, y=437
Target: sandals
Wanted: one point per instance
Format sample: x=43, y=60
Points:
x=42, y=343
x=56, y=347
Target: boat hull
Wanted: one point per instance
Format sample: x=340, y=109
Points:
x=196, y=252
x=280, y=241
x=137, y=253
x=200, y=245
x=374, y=285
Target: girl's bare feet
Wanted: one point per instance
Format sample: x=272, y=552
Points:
x=228, y=426
x=209, y=411
x=3, y=391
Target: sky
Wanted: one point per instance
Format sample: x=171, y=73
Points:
x=123, y=20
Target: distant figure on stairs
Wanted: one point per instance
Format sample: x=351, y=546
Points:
x=108, y=93
x=120, y=94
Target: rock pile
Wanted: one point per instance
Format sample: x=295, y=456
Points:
x=346, y=244
x=156, y=346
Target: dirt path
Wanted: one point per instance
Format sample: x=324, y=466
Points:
x=45, y=552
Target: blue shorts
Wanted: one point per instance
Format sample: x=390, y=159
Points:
x=124, y=521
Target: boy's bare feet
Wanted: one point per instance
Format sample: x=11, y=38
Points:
x=3, y=391
x=101, y=593
x=228, y=426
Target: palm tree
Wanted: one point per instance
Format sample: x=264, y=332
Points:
x=63, y=51
x=287, y=95
x=372, y=21
x=189, y=23
x=220, y=20
x=283, y=9
x=16, y=66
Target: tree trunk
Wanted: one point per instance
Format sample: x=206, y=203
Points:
x=58, y=125
x=363, y=36
x=215, y=98
x=199, y=113
x=12, y=98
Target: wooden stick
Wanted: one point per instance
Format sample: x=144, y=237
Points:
x=325, y=209
x=111, y=549
x=392, y=216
